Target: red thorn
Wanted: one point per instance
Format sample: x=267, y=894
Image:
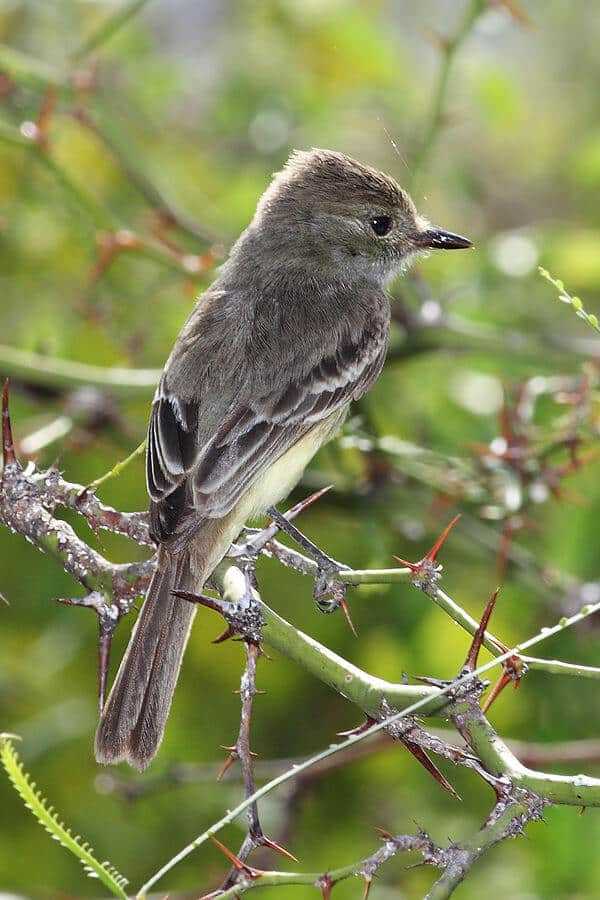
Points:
x=364, y=726
x=506, y=539
x=471, y=660
x=428, y=764
x=479, y=449
x=576, y=462
x=308, y=501
x=383, y=834
x=409, y=565
x=107, y=248
x=225, y=636
x=273, y=845
x=227, y=765
x=507, y=430
x=8, y=448
x=262, y=540
x=326, y=884
x=236, y=862
x=45, y=116
x=200, y=600
x=563, y=493
x=299, y=507
x=496, y=690
x=431, y=556
x=501, y=647
x=434, y=38
x=344, y=607
x=515, y=10
x=368, y=883
x=513, y=670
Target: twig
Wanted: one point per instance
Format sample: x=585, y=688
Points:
x=362, y=689
x=34, y=368
x=255, y=836
x=531, y=754
x=30, y=71
x=27, y=70
x=23, y=509
x=118, y=467
x=300, y=563
x=26, y=498
x=165, y=208
x=27, y=502
x=575, y=302
x=241, y=750
x=102, y=220
x=51, y=490
x=456, y=859
x=108, y=29
x=449, y=48
x=27, y=138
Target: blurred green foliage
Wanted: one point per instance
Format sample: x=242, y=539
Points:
x=205, y=99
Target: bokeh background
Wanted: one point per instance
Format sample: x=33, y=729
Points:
x=497, y=134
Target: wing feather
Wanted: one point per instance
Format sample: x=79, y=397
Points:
x=190, y=481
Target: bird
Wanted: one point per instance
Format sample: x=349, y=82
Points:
x=293, y=329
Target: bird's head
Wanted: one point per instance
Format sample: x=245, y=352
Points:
x=337, y=210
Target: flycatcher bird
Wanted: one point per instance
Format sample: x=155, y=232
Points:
x=294, y=329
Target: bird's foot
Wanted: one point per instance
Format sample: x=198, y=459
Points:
x=329, y=591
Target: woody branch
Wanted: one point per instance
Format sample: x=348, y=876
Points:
x=28, y=498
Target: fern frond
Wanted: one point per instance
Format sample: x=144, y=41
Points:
x=44, y=813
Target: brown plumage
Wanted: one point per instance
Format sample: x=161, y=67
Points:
x=293, y=329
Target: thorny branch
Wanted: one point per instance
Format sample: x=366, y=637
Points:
x=241, y=751
x=28, y=499
x=75, y=91
x=517, y=789
x=507, y=819
x=449, y=48
x=531, y=754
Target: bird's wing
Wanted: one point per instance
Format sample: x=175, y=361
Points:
x=187, y=481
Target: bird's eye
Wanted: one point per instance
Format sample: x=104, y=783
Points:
x=381, y=225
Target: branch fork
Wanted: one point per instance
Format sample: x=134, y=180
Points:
x=427, y=571
x=243, y=618
x=27, y=501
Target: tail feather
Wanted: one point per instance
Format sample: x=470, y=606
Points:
x=133, y=721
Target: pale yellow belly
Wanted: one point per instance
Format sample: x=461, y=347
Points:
x=217, y=535
x=284, y=474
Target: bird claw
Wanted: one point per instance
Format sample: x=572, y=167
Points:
x=329, y=593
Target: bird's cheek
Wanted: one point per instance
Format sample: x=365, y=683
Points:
x=405, y=249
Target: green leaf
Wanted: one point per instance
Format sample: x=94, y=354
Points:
x=46, y=816
x=571, y=300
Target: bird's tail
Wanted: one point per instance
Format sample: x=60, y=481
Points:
x=134, y=717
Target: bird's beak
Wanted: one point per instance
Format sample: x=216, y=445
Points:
x=438, y=239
